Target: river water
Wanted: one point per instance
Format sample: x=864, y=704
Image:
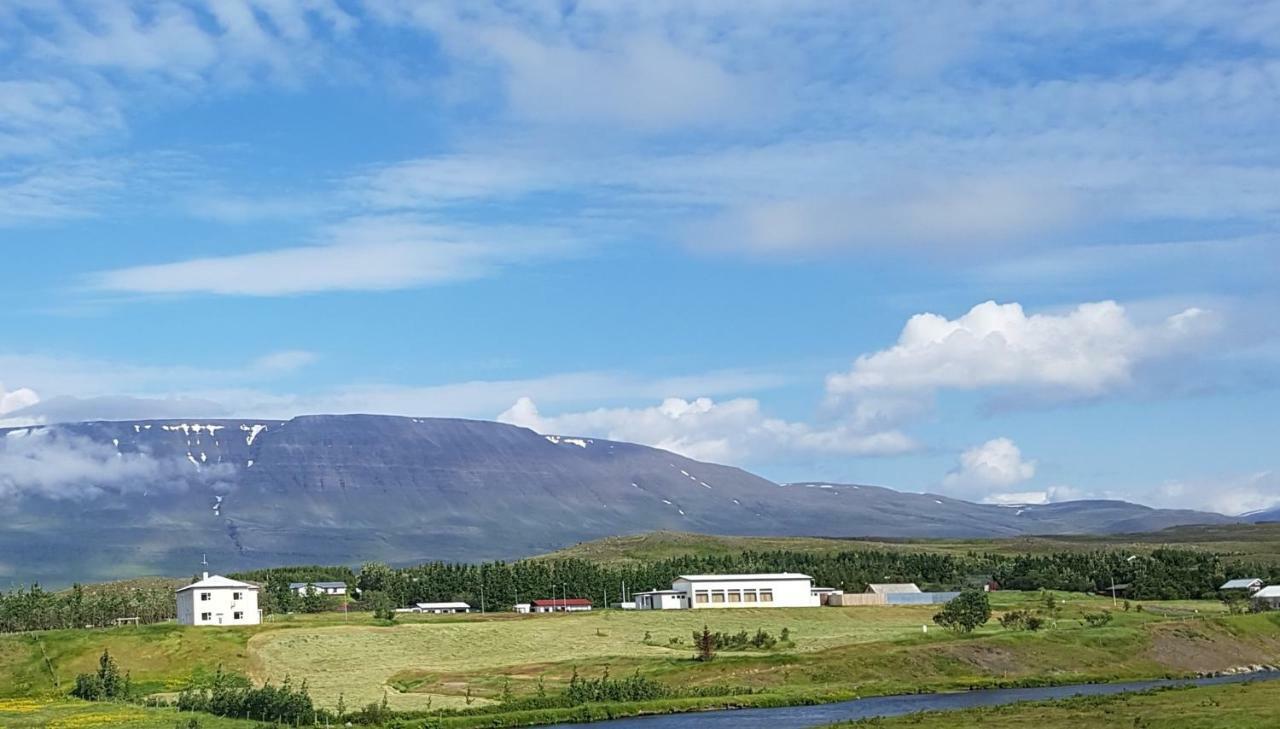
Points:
x=806, y=717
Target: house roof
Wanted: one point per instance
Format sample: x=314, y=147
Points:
x=561, y=601
x=893, y=588
x=1241, y=584
x=1268, y=592
x=659, y=592
x=296, y=585
x=441, y=605
x=218, y=581
x=754, y=577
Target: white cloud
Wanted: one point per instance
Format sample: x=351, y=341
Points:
x=991, y=472
x=1230, y=494
x=18, y=399
x=53, y=464
x=1088, y=351
x=732, y=431
x=365, y=254
x=286, y=361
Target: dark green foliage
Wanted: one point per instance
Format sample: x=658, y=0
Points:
x=740, y=641
x=705, y=645
x=282, y=703
x=381, y=604
x=1098, y=619
x=968, y=611
x=1021, y=620
x=34, y=609
x=107, y=684
x=634, y=688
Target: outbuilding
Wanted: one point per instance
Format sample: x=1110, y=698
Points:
x=893, y=588
x=562, y=605
x=324, y=588
x=218, y=600
x=1268, y=598
x=780, y=589
x=441, y=608
x=1244, y=584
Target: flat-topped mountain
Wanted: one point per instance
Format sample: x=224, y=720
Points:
x=113, y=499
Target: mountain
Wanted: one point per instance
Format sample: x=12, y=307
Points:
x=1261, y=516
x=114, y=499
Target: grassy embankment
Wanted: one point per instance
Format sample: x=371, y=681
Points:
x=1242, y=706
x=1250, y=542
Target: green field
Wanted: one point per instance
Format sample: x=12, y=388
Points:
x=1252, y=542
x=1242, y=706
x=447, y=661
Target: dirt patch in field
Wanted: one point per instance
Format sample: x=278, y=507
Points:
x=1198, y=646
x=988, y=659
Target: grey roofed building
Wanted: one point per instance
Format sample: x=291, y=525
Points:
x=892, y=588
x=324, y=588
x=1268, y=596
x=1252, y=584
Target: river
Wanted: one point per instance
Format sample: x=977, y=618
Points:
x=806, y=717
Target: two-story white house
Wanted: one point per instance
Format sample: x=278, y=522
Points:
x=782, y=589
x=218, y=600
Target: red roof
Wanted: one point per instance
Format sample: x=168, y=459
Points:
x=563, y=602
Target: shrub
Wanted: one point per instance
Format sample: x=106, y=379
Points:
x=969, y=610
x=1097, y=620
x=104, y=685
x=705, y=644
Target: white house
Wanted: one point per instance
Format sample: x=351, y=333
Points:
x=324, y=588
x=218, y=600
x=782, y=589
x=522, y=607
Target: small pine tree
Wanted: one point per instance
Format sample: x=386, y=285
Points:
x=705, y=644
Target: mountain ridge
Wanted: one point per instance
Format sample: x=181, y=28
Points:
x=158, y=494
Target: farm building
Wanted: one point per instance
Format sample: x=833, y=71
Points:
x=440, y=608
x=825, y=594
x=727, y=591
x=562, y=605
x=523, y=607
x=218, y=600
x=891, y=594
x=324, y=588
x=661, y=600
x=1246, y=584
x=1268, y=598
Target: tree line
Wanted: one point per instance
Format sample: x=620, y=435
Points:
x=1163, y=574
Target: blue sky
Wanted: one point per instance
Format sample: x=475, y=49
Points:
x=1006, y=251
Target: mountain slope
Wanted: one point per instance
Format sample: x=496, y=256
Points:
x=152, y=497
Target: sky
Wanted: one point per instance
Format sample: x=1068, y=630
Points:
x=1012, y=252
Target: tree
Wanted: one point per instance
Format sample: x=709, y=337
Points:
x=313, y=601
x=104, y=685
x=969, y=610
x=705, y=644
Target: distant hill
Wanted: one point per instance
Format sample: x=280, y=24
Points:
x=1272, y=515
x=106, y=500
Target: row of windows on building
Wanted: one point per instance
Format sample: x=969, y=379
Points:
x=703, y=597
x=234, y=616
x=207, y=596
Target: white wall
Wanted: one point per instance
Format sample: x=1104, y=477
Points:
x=736, y=593
x=221, y=607
x=660, y=601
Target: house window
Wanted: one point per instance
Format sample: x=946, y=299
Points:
x=206, y=616
x=206, y=596
x=717, y=596
x=237, y=616
x=701, y=597
x=766, y=596
x=735, y=596
x=237, y=595
x=748, y=595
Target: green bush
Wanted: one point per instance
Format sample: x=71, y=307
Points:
x=968, y=611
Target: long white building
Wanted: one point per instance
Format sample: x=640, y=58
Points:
x=218, y=600
x=782, y=589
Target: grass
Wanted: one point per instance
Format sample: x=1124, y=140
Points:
x=1239, y=706
x=72, y=714
x=1251, y=542
x=439, y=662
